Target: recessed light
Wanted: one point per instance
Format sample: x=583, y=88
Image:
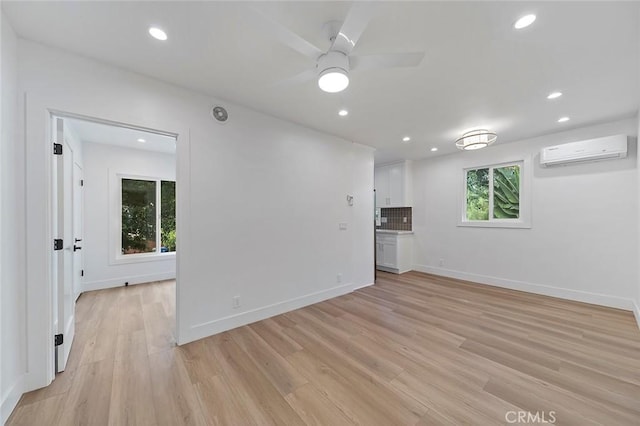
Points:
x=343, y=113
x=554, y=95
x=524, y=22
x=406, y=139
x=157, y=33
x=434, y=149
x=563, y=119
x=141, y=140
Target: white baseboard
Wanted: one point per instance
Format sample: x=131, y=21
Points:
x=358, y=287
x=636, y=312
x=393, y=270
x=118, y=282
x=210, y=328
x=10, y=399
x=546, y=290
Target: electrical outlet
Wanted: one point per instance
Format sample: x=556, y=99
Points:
x=339, y=278
x=235, y=302
x=342, y=226
x=404, y=220
x=441, y=262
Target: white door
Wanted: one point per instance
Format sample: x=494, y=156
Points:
x=78, y=227
x=63, y=258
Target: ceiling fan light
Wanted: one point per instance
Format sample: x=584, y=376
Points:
x=333, y=80
x=476, y=139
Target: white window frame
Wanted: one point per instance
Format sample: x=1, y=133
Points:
x=524, y=221
x=117, y=257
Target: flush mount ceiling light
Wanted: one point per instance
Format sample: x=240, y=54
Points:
x=333, y=72
x=554, y=95
x=406, y=139
x=563, y=119
x=476, y=139
x=524, y=22
x=343, y=113
x=158, y=34
x=434, y=149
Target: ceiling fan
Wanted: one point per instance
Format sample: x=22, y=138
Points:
x=333, y=66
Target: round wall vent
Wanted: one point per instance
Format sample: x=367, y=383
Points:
x=220, y=114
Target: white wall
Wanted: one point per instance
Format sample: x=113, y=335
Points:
x=583, y=241
x=263, y=197
x=102, y=164
x=12, y=250
x=636, y=310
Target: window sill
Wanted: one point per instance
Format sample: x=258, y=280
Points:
x=495, y=224
x=140, y=258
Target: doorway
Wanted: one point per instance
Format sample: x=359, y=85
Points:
x=114, y=214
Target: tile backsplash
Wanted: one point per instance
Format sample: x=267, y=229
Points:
x=395, y=219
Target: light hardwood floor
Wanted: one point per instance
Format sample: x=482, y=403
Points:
x=415, y=349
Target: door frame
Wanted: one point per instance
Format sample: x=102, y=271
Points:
x=78, y=197
x=39, y=202
x=63, y=222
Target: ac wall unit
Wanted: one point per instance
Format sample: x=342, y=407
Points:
x=608, y=147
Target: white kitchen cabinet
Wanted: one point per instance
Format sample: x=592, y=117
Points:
x=394, y=251
x=393, y=185
x=381, y=256
x=390, y=254
x=379, y=253
x=381, y=184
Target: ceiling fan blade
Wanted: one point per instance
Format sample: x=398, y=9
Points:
x=303, y=77
x=353, y=26
x=392, y=60
x=283, y=34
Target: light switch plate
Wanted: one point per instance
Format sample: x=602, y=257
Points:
x=343, y=226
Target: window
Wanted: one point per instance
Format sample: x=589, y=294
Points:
x=148, y=216
x=494, y=196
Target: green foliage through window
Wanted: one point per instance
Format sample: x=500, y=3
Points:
x=140, y=212
x=168, y=215
x=506, y=192
x=503, y=182
x=138, y=216
x=478, y=194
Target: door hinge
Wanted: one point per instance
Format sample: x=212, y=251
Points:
x=57, y=149
x=81, y=182
x=57, y=244
x=82, y=272
x=58, y=340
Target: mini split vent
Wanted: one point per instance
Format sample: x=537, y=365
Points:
x=608, y=147
x=220, y=114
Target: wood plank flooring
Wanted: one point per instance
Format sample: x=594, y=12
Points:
x=414, y=349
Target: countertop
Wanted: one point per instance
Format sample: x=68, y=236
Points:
x=391, y=231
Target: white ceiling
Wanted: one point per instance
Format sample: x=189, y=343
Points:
x=478, y=71
x=88, y=131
